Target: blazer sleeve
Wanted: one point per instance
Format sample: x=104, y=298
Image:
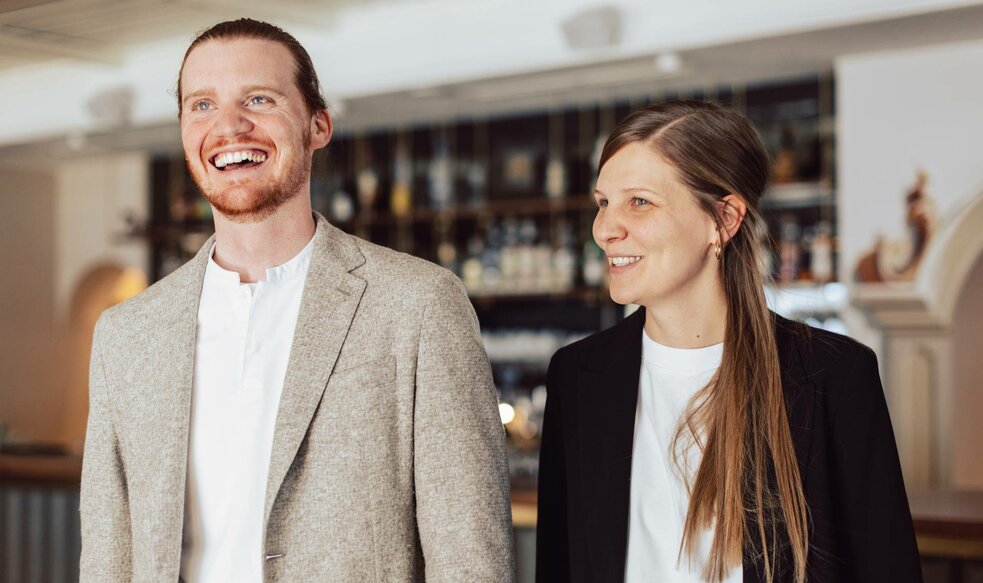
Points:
x=105, y=514
x=552, y=538
x=872, y=528
x=461, y=472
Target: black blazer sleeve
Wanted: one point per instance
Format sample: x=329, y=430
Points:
x=552, y=545
x=862, y=523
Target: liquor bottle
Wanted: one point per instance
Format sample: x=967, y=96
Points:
x=594, y=264
x=821, y=264
x=789, y=250
x=447, y=256
x=556, y=170
x=785, y=165
x=556, y=179
x=491, y=272
x=544, y=274
x=367, y=183
x=401, y=197
x=526, y=256
x=440, y=174
x=471, y=270
x=477, y=175
x=476, y=171
x=564, y=260
x=509, y=257
x=342, y=207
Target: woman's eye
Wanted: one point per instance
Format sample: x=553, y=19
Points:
x=259, y=100
x=200, y=106
x=639, y=201
x=601, y=203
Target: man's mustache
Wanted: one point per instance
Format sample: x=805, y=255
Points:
x=241, y=141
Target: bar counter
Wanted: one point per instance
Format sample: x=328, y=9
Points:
x=947, y=523
x=40, y=470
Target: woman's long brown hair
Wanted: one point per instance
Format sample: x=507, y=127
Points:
x=747, y=487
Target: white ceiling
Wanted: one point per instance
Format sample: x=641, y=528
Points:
x=708, y=67
x=388, y=62
x=34, y=31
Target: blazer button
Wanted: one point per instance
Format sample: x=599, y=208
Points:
x=272, y=556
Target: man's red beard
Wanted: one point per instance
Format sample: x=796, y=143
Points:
x=264, y=199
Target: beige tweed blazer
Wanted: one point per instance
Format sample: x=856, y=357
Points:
x=388, y=458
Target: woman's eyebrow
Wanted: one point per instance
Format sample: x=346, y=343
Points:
x=641, y=190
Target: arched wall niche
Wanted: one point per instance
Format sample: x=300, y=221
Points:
x=967, y=395
x=100, y=287
x=925, y=327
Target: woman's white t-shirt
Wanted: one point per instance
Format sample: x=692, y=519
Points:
x=659, y=499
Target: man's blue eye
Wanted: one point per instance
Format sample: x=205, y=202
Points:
x=259, y=99
x=640, y=201
x=200, y=106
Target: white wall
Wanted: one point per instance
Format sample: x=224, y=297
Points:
x=94, y=194
x=29, y=351
x=56, y=226
x=898, y=113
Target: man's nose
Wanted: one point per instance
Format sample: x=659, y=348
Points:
x=231, y=122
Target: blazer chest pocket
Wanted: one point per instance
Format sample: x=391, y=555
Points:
x=367, y=390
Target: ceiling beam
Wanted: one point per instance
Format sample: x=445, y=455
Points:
x=53, y=49
x=7, y=6
x=12, y=10
x=286, y=13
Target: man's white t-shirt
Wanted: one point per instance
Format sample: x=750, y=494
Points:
x=244, y=335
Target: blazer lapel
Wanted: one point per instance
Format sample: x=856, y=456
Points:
x=330, y=298
x=608, y=397
x=800, y=395
x=173, y=374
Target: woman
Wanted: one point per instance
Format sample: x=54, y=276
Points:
x=705, y=438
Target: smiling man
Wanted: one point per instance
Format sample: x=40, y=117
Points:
x=294, y=403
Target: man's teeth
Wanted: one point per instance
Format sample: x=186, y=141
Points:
x=623, y=261
x=224, y=159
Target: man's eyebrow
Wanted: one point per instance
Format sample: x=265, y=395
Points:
x=262, y=89
x=197, y=94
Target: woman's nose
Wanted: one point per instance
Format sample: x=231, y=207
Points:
x=609, y=227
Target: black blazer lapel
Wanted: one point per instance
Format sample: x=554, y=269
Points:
x=800, y=394
x=607, y=397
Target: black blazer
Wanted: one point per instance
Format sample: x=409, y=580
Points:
x=861, y=528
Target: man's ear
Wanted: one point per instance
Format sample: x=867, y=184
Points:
x=732, y=208
x=321, y=129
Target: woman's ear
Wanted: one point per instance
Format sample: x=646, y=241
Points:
x=732, y=211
